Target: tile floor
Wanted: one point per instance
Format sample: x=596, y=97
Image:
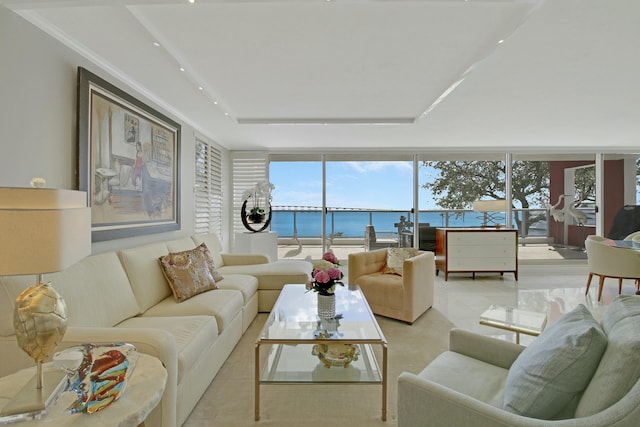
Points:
x=553, y=289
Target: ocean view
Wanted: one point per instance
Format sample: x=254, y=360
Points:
x=352, y=223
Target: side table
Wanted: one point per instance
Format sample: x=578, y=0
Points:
x=143, y=393
x=515, y=320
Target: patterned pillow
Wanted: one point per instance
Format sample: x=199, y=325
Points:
x=396, y=257
x=189, y=272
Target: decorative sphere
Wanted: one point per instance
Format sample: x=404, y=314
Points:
x=40, y=320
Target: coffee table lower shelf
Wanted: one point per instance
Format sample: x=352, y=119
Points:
x=295, y=364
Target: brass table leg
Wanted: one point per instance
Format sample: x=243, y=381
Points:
x=257, y=383
x=384, y=382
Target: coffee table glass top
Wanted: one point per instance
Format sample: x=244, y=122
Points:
x=514, y=319
x=294, y=318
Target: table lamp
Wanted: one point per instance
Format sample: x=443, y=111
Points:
x=488, y=208
x=42, y=231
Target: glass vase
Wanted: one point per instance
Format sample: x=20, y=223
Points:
x=326, y=306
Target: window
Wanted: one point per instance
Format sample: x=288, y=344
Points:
x=208, y=189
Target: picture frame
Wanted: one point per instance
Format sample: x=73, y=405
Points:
x=128, y=162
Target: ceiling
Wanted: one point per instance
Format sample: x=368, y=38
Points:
x=427, y=75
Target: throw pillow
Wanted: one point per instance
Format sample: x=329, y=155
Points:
x=556, y=367
x=395, y=259
x=189, y=272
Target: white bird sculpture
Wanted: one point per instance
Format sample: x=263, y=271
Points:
x=298, y=250
x=577, y=214
x=558, y=214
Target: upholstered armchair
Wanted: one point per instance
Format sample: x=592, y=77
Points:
x=479, y=381
x=604, y=261
x=403, y=297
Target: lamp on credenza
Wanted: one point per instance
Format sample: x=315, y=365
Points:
x=41, y=231
x=489, y=209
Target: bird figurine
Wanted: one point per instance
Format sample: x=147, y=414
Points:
x=297, y=251
x=557, y=214
x=577, y=214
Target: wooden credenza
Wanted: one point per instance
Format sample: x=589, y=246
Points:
x=476, y=250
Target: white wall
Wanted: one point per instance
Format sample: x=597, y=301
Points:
x=38, y=118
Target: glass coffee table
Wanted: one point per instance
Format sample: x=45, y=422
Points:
x=298, y=347
x=515, y=320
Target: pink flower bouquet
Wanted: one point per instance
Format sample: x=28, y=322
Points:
x=326, y=275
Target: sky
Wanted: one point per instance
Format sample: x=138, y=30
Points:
x=367, y=185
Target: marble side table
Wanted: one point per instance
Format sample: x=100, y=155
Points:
x=143, y=393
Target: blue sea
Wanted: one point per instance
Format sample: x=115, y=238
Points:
x=352, y=223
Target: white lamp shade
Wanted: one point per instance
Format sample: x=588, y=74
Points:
x=42, y=230
x=490, y=205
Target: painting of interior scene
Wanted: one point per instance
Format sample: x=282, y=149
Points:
x=133, y=175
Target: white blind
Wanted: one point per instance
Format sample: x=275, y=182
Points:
x=249, y=168
x=208, y=189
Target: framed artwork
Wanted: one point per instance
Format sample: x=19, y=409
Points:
x=129, y=162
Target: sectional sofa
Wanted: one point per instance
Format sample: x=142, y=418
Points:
x=124, y=296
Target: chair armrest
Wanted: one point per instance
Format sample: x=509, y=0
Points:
x=425, y=403
x=490, y=350
x=418, y=280
x=244, y=259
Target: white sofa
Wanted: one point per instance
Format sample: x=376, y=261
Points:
x=467, y=385
x=123, y=296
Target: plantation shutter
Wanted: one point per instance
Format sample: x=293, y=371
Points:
x=249, y=168
x=208, y=189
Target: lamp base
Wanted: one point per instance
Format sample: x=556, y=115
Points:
x=32, y=401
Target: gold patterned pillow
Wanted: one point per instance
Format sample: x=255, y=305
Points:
x=396, y=257
x=189, y=272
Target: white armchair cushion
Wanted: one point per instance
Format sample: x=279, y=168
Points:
x=552, y=371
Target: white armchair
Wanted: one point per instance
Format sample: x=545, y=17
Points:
x=604, y=261
x=468, y=385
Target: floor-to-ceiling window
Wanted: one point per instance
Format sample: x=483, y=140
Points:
x=324, y=201
x=347, y=192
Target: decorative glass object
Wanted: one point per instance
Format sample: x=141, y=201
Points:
x=97, y=373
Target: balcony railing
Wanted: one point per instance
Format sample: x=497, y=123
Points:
x=293, y=222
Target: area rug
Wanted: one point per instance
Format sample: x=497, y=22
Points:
x=229, y=401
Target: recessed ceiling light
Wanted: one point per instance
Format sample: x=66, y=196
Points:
x=200, y=88
x=181, y=69
x=192, y=1
x=215, y=102
x=226, y=114
x=156, y=44
x=500, y=41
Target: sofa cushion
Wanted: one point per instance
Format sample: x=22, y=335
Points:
x=145, y=274
x=274, y=274
x=189, y=272
x=395, y=259
x=469, y=376
x=96, y=291
x=223, y=304
x=553, y=370
x=381, y=289
x=214, y=245
x=247, y=285
x=619, y=368
x=193, y=335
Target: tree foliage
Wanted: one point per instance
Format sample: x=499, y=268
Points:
x=457, y=184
